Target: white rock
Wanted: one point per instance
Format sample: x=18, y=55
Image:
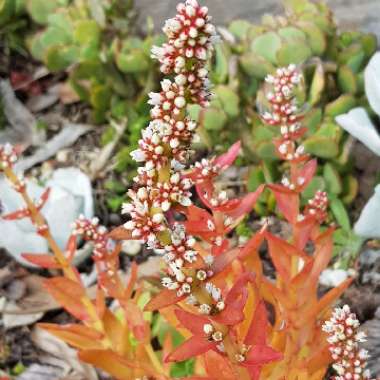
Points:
x=70, y=196
x=333, y=277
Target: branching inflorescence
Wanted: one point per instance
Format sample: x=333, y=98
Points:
x=350, y=360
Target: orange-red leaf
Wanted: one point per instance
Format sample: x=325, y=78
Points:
x=287, y=202
x=76, y=335
x=16, y=215
x=68, y=294
x=43, y=260
x=219, y=367
x=257, y=333
x=120, y=233
x=192, y=347
x=109, y=362
x=165, y=298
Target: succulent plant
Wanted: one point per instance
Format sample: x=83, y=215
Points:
x=358, y=123
x=105, y=65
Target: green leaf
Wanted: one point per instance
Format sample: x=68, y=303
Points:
x=316, y=38
x=58, y=58
x=219, y=73
x=346, y=80
x=340, y=106
x=317, y=183
x=267, y=46
x=340, y=213
x=317, y=85
x=292, y=35
x=229, y=100
x=293, y=53
x=40, y=10
x=239, y=28
x=214, y=118
x=255, y=65
x=86, y=32
x=7, y=10
x=332, y=179
x=135, y=61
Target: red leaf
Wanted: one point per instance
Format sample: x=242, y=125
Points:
x=227, y=159
x=253, y=244
x=305, y=172
x=287, y=202
x=244, y=205
x=44, y=198
x=46, y=261
x=17, y=215
x=191, y=322
x=235, y=301
x=218, y=366
x=260, y=355
x=194, y=346
x=71, y=247
x=257, y=333
x=163, y=299
x=302, y=232
x=223, y=260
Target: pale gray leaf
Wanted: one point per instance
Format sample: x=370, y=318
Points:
x=368, y=225
x=358, y=124
x=372, y=82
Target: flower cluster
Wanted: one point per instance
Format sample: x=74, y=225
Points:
x=318, y=205
x=8, y=155
x=285, y=113
x=90, y=230
x=350, y=360
x=165, y=144
x=190, y=38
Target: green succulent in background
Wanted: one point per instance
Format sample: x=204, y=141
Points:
x=94, y=44
x=13, y=25
x=332, y=63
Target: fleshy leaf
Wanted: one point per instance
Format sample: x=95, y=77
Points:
x=191, y=322
x=358, y=124
x=78, y=336
x=218, y=366
x=368, y=225
x=42, y=260
x=287, y=202
x=260, y=355
x=109, y=362
x=227, y=159
x=372, y=82
x=68, y=294
x=165, y=298
x=192, y=347
x=257, y=332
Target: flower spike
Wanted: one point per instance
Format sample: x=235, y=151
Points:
x=350, y=361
